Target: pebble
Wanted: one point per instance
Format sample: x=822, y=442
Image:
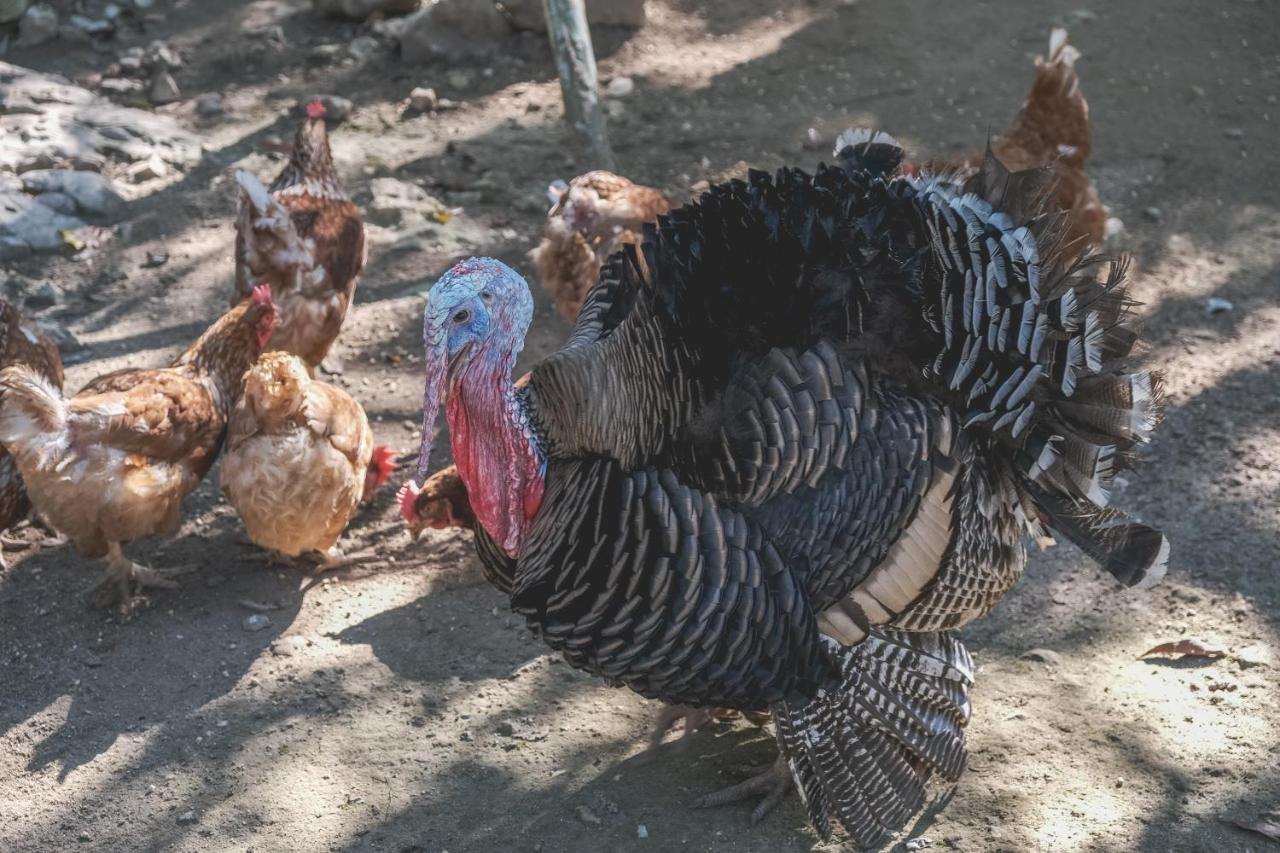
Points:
x=1233, y=133
x=458, y=79
x=409, y=426
x=38, y=25
x=1048, y=656
x=587, y=816
x=812, y=140
x=120, y=86
x=364, y=48
x=1215, y=305
x=209, y=105
x=255, y=622
x=1154, y=214
x=84, y=836
x=160, y=55
x=323, y=53
x=148, y=170
x=423, y=99
x=187, y=817
x=1250, y=656
x=164, y=89
x=642, y=831
x=620, y=87
x=91, y=26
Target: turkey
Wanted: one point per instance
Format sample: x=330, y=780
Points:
x=780, y=467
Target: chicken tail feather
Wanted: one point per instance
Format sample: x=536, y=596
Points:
x=863, y=753
x=33, y=413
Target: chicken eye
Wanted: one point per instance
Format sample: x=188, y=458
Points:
x=462, y=316
x=486, y=296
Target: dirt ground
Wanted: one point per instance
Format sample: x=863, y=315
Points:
x=400, y=707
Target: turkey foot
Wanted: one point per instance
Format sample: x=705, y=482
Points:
x=129, y=578
x=773, y=784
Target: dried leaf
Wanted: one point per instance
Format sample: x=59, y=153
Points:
x=71, y=240
x=442, y=216
x=1268, y=825
x=1185, y=648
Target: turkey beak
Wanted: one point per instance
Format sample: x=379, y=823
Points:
x=437, y=375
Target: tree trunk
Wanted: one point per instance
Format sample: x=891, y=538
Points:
x=576, y=62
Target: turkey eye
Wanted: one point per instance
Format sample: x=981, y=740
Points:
x=486, y=296
x=462, y=316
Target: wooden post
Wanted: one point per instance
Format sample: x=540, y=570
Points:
x=576, y=62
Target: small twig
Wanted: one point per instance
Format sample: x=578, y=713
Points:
x=257, y=606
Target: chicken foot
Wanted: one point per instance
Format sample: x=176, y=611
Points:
x=129, y=578
x=771, y=785
x=694, y=719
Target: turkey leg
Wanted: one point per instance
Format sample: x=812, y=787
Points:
x=771, y=785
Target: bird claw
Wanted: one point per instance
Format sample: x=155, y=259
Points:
x=694, y=719
x=771, y=785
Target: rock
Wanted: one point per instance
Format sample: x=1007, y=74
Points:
x=587, y=816
x=132, y=62
x=620, y=87
x=255, y=622
x=528, y=14
x=1251, y=656
x=91, y=26
x=155, y=259
x=32, y=225
x=1215, y=305
x=13, y=248
x=121, y=86
x=361, y=9
x=1114, y=233
x=1048, y=656
x=92, y=193
x=458, y=79
x=396, y=203
x=38, y=25
x=164, y=89
x=160, y=56
x=209, y=105
x=642, y=831
x=12, y=10
x=336, y=107
x=60, y=202
x=423, y=99
x=1233, y=133
x=1154, y=214
x=42, y=296
x=452, y=29
x=364, y=48
x=147, y=170
x=324, y=54
x=187, y=817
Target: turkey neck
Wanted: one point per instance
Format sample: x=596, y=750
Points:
x=494, y=449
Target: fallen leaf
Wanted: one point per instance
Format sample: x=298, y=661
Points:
x=70, y=239
x=441, y=216
x=1185, y=648
x=1268, y=825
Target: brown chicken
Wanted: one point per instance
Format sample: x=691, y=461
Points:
x=113, y=463
x=21, y=342
x=1051, y=128
x=305, y=238
x=299, y=458
x=593, y=217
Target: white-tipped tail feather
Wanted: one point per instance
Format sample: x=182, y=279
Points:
x=33, y=416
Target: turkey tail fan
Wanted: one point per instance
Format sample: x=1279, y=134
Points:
x=1137, y=555
x=862, y=753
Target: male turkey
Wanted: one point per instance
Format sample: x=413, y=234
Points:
x=777, y=469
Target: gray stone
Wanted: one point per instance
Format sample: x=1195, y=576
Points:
x=147, y=170
x=13, y=248
x=164, y=89
x=1048, y=656
x=93, y=193
x=1215, y=305
x=11, y=10
x=209, y=105
x=91, y=26
x=121, y=86
x=160, y=56
x=423, y=99
x=452, y=29
x=364, y=48
x=255, y=622
x=29, y=223
x=132, y=62
x=361, y=9
x=187, y=817
x=620, y=87
x=528, y=14
x=60, y=202
x=391, y=202
x=38, y=25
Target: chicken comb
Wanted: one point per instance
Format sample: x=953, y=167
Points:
x=262, y=295
x=315, y=109
x=383, y=456
x=407, y=496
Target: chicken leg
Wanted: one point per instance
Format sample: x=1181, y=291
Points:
x=128, y=577
x=773, y=784
x=694, y=719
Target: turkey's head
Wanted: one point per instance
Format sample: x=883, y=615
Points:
x=473, y=328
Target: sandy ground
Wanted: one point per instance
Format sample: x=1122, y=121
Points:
x=399, y=707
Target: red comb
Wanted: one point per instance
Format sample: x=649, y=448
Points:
x=407, y=496
x=262, y=295
x=315, y=109
x=383, y=456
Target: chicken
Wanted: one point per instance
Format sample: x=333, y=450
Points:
x=778, y=470
x=592, y=218
x=440, y=504
x=113, y=463
x=21, y=342
x=305, y=238
x=298, y=458
x=1051, y=128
